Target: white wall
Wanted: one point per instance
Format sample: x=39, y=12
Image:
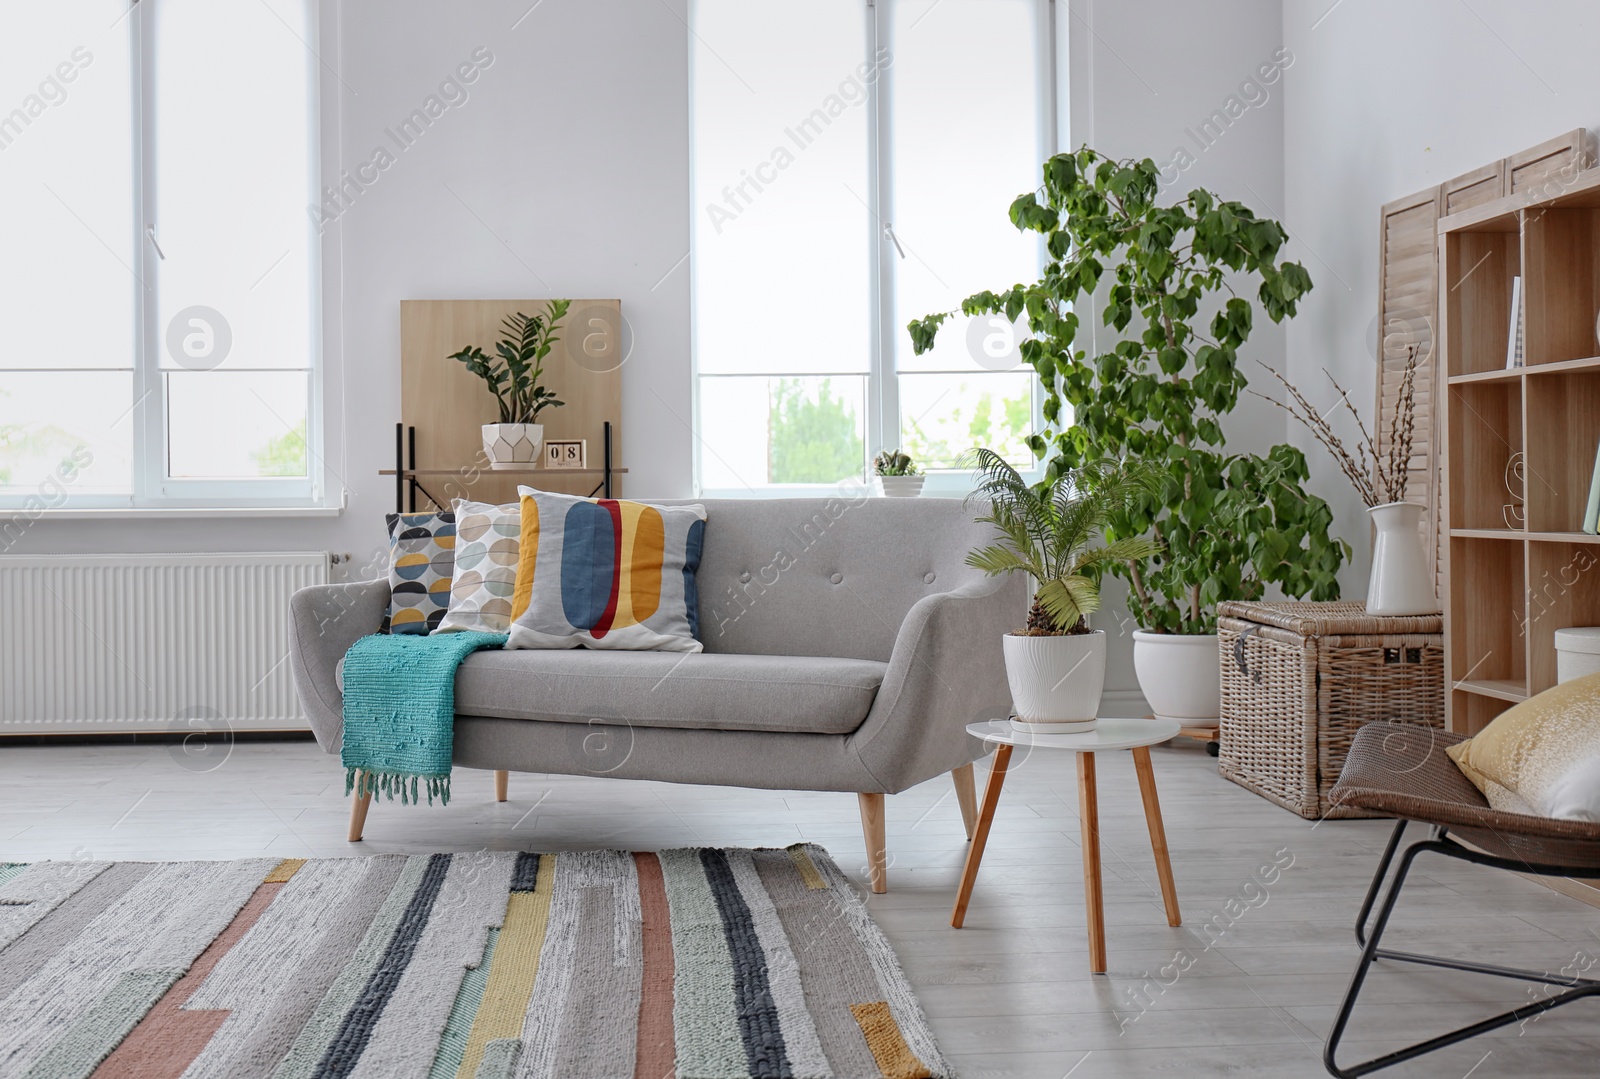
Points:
x=1143, y=77
x=570, y=171
x=1385, y=99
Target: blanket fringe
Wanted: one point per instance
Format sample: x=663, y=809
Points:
x=409, y=788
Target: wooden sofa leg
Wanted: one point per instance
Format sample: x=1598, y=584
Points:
x=501, y=780
x=358, y=812
x=872, y=829
x=966, y=796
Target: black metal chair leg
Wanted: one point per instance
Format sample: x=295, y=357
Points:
x=1370, y=951
x=1377, y=881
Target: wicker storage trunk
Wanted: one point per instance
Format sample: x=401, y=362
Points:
x=1298, y=681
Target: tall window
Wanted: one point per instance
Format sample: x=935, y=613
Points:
x=158, y=275
x=853, y=165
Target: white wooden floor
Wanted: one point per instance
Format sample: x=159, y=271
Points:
x=1009, y=994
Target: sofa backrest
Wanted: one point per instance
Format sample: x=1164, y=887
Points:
x=827, y=576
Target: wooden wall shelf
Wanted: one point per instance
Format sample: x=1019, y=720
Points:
x=1519, y=445
x=447, y=405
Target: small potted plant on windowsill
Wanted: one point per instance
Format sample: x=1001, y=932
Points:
x=1056, y=665
x=896, y=475
x=513, y=375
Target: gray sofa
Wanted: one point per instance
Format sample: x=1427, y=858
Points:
x=847, y=645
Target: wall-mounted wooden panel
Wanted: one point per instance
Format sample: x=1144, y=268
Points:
x=1408, y=318
x=1564, y=155
x=449, y=405
x=1474, y=188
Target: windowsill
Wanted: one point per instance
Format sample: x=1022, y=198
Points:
x=154, y=513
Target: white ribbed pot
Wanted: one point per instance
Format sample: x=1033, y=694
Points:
x=1401, y=582
x=1056, y=681
x=1179, y=676
x=512, y=445
x=899, y=486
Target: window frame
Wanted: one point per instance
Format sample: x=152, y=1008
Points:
x=882, y=427
x=153, y=491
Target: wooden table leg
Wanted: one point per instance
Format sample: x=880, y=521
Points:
x=1093, y=902
x=966, y=797
x=980, y=834
x=1158, y=833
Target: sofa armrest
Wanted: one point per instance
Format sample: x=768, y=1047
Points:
x=324, y=621
x=947, y=670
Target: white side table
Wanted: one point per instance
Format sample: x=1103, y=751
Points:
x=1137, y=735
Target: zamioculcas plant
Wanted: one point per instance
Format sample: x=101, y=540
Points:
x=513, y=373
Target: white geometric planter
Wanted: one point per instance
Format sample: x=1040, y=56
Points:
x=1056, y=682
x=1179, y=676
x=512, y=445
x=899, y=486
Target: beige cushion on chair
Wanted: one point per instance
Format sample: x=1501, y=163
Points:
x=1541, y=756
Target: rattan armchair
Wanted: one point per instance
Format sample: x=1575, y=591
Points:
x=1403, y=771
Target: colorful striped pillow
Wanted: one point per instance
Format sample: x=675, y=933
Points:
x=606, y=573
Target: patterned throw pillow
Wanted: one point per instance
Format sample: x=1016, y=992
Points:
x=605, y=573
x=421, y=560
x=486, y=567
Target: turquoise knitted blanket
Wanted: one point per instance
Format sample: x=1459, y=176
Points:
x=400, y=711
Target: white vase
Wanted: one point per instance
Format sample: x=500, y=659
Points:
x=1401, y=582
x=1179, y=676
x=899, y=486
x=1056, y=681
x=512, y=445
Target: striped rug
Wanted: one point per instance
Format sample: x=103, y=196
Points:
x=698, y=963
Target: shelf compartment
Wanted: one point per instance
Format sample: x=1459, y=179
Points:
x=1563, y=591
x=1519, y=534
x=1499, y=689
x=1561, y=247
x=1561, y=448
x=1487, y=603
x=1471, y=712
x=1478, y=268
x=1485, y=436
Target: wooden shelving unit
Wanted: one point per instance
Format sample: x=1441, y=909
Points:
x=1519, y=445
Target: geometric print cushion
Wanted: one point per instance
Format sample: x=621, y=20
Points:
x=487, y=537
x=421, y=561
x=607, y=573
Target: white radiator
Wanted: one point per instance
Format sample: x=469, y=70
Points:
x=139, y=643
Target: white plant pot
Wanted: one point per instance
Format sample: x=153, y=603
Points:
x=1401, y=582
x=1179, y=676
x=1056, y=681
x=512, y=445
x=899, y=486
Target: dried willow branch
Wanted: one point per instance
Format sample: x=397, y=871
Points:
x=1402, y=428
x=1387, y=476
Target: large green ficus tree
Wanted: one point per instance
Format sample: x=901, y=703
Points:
x=1227, y=524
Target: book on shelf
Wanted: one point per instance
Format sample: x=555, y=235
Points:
x=1514, y=332
x=1591, y=512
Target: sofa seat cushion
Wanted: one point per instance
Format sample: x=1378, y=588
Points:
x=697, y=690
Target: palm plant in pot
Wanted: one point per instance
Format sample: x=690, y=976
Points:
x=514, y=376
x=1165, y=280
x=1056, y=664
